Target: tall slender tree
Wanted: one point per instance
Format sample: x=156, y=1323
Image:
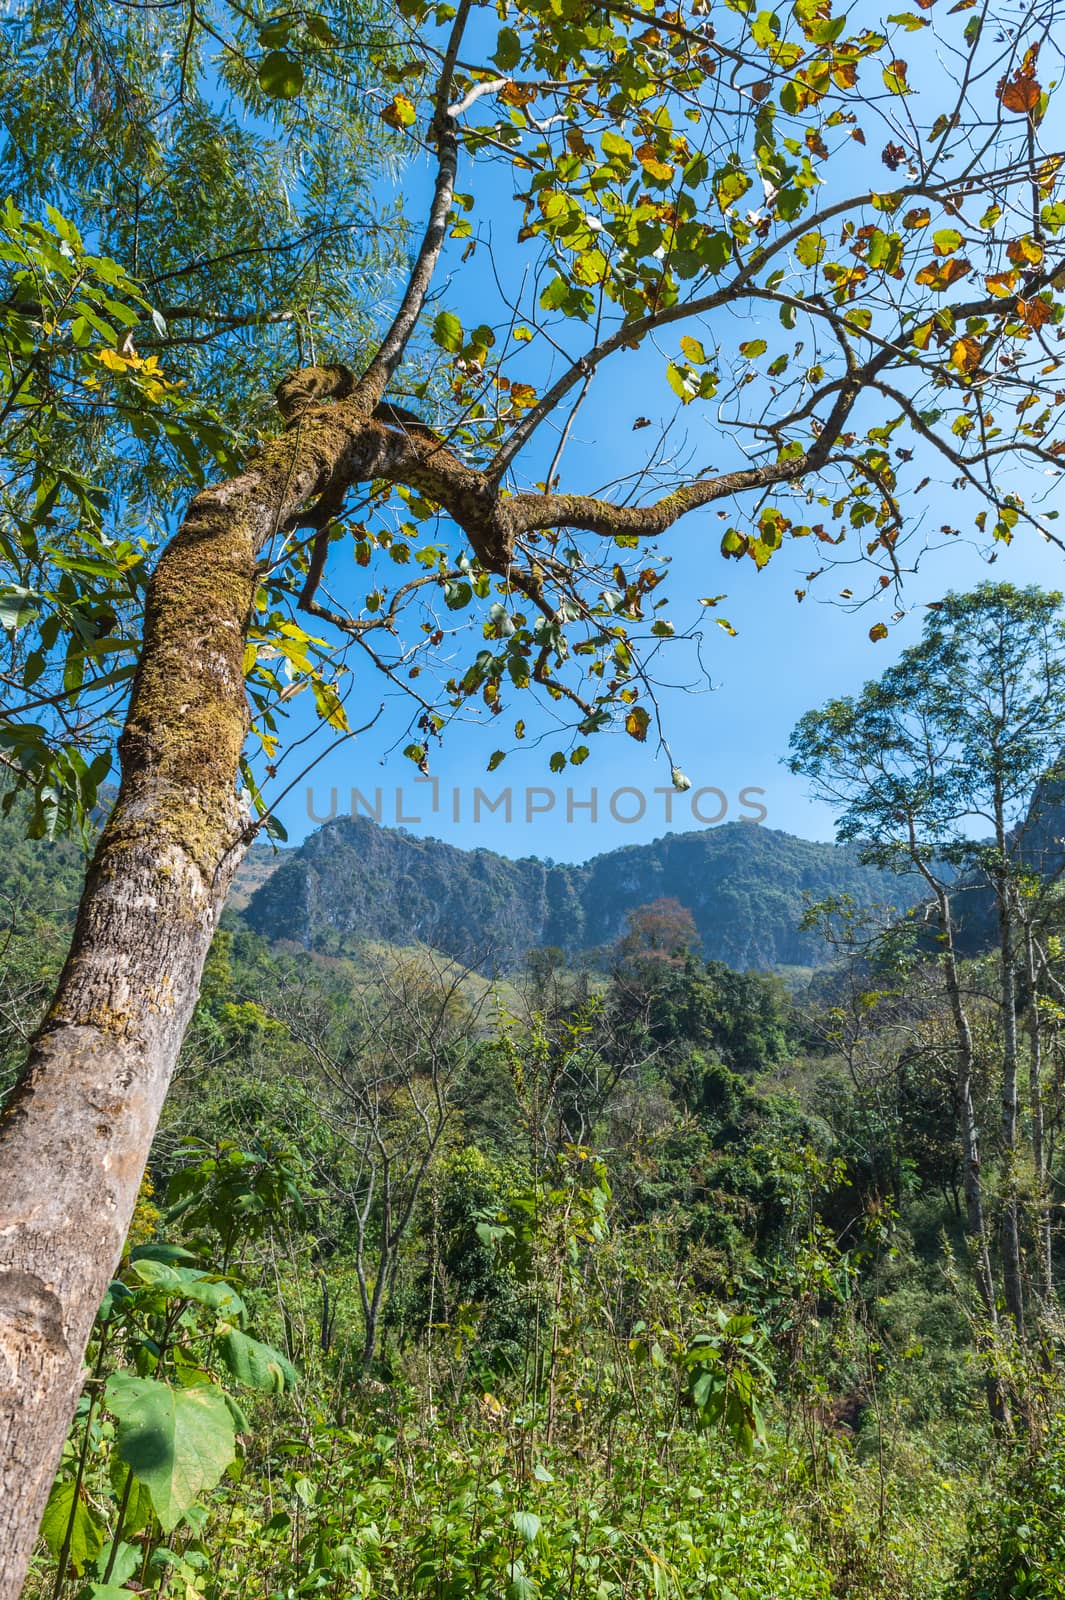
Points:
x=949, y=746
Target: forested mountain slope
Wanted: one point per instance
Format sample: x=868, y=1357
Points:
x=745, y=885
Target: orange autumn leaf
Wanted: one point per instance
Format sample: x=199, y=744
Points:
x=647, y=156
x=1000, y=284
x=516, y=94
x=1036, y=312
x=965, y=354
x=939, y=275
x=1020, y=94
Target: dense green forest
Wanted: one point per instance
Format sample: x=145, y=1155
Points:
x=652, y=1279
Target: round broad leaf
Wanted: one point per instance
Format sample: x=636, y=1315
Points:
x=447, y=331
x=178, y=1442
x=280, y=75
x=527, y=1524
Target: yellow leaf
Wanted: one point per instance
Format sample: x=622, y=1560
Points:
x=329, y=707
x=1001, y=284
x=399, y=113
x=894, y=75
x=965, y=354
x=1025, y=252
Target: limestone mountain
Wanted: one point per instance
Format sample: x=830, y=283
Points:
x=745, y=885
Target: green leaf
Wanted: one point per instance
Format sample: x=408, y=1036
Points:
x=281, y=75
x=527, y=1525
x=614, y=145
x=508, y=50
x=730, y=184
x=178, y=1442
x=319, y=29
x=139, y=1512
x=555, y=295
x=17, y=607
x=810, y=249
x=682, y=381
x=447, y=332
x=67, y=1509
x=182, y=1283
x=158, y=1250
x=255, y=1364
x=946, y=241
x=590, y=267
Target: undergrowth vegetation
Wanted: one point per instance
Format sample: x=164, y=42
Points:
x=575, y=1287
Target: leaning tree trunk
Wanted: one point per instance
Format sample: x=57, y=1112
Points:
x=1044, y=1250
x=975, y=1216
x=75, y=1137
x=1012, y=1273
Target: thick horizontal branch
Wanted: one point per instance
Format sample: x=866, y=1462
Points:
x=529, y=512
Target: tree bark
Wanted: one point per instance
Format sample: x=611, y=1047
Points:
x=1012, y=1273
x=1044, y=1250
x=76, y=1134
x=972, y=1183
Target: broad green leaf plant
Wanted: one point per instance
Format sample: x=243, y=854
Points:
x=159, y=1424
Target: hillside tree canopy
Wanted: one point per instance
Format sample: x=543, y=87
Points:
x=696, y=188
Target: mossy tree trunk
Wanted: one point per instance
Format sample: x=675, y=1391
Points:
x=76, y=1134
x=75, y=1137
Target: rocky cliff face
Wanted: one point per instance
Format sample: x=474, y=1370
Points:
x=744, y=884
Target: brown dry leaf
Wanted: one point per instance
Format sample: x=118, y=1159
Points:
x=1036, y=312
x=1021, y=94
x=939, y=275
x=965, y=354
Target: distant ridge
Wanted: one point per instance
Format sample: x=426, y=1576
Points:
x=745, y=885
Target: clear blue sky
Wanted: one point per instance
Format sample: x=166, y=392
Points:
x=786, y=657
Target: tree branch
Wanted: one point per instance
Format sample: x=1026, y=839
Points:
x=443, y=133
x=528, y=512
